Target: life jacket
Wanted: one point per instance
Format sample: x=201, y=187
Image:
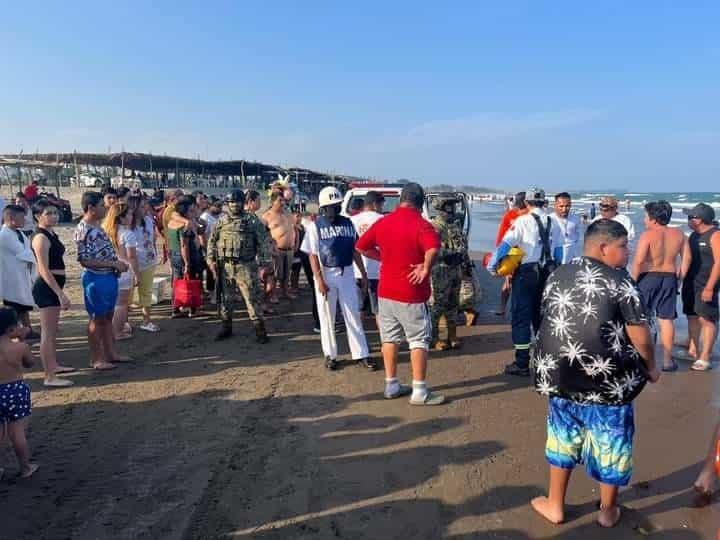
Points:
x=237, y=239
x=336, y=241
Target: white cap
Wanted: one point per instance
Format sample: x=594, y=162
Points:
x=329, y=196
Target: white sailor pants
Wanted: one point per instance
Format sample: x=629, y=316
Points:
x=342, y=288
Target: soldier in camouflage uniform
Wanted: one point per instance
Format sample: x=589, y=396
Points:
x=446, y=273
x=238, y=252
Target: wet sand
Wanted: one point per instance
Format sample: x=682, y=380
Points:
x=204, y=440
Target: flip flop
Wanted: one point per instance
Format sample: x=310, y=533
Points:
x=123, y=337
x=57, y=383
x=103, y=366
x=64, y=369
x=430, y=400
x=682, y=354
x=673, y=367
x=122, y=360
x=33, y=469
x=701, y=365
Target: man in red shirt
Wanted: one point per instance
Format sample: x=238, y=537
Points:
x=406, y=244
x=31, y=191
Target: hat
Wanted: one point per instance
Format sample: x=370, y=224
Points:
x=702, y=211
x=329, y=196
x=535, y=194
x=609, y=201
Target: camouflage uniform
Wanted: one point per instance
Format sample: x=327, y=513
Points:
x=239, y=245
x=445, y=279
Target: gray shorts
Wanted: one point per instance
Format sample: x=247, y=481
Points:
x=399, y=321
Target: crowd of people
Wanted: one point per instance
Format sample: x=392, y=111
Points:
x=583, y=323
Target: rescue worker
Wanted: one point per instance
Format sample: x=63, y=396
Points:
x=541, y=242
x=238, y=254
x=446, y=274
x=330, y=243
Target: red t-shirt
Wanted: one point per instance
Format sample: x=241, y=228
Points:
x=30, y=192
x=402, y=238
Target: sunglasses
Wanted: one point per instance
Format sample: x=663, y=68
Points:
x=692, y=217
x=607, y=207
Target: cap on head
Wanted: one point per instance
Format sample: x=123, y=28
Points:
x=328, y=196
x=703, y=211
x=236, y=196
x=609, y=201
x=535, y=195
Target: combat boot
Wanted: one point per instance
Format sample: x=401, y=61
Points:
x=453, y=340
x=225, y=330
x=260, y=332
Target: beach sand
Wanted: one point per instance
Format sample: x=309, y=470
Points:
x=199, y=439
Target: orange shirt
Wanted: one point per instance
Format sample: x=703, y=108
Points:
x=507, y=220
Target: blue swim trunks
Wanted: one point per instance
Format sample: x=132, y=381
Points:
x=14, y=401
x=600, y=436
x=100, y=292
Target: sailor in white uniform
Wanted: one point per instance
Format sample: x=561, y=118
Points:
x=568, y=226
x=330, y=244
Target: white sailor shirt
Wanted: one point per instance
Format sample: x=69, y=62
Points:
x=570, y=232
x=524, y=234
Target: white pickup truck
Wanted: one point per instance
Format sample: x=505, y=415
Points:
x=355, y=196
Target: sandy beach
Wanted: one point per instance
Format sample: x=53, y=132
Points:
x=198, y=439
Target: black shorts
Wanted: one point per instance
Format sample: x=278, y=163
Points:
x=43, y=295
x=693, y=306
x=19, y=308
x=659, y=293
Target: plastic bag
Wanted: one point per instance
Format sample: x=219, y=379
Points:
x=187, y=293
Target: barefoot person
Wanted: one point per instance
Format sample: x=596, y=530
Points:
x=281, y=224
x=656, y=268
x=15, y=402
x=406, y=244
x=704, y=484
x=701, y=282
x=594, y=355
x=48, y=290
x=101, y=266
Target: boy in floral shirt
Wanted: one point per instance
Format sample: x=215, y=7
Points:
x=594, y=355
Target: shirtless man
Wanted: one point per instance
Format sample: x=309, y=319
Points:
x=281, y=224
x=657, y=271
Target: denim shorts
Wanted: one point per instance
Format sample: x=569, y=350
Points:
x=600, y=436
x=100, y=292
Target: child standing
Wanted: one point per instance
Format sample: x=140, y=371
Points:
x=14, y=392
x=594, y=355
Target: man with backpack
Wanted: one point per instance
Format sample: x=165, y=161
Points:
x=540, y=239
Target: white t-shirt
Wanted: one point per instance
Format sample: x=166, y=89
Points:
x=623, y=220
x=570, y=229
x=211, y=221
x=363, y=221
x=145, y=240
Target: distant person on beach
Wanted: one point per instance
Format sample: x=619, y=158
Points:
x=29, y=225
x=406, y=244
x=31, y=191
x=252, y=201
x=569, y=226
x=372, y=212
x=656, y=268
x=47, y=290
x=609, y=210
x=17, y=266
x=701, y=283
x=593, y=211
x=146, y=235
x=594, y=355
x=186, y=260
x=110, y=197
x=539, y=238
x=518, y=209
x=15, y=402
x=96, y=255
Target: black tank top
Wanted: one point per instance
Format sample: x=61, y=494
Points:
x=702, y=257
x=57, y=250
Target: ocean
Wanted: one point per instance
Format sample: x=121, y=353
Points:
x=486, y=215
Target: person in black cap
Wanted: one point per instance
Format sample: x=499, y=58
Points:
x=701, y=281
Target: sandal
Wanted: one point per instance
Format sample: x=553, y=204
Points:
x=57, y=382
x=150, y=327
x=64, y=369
x=700, y=365
x=430, y=399
x=672, y=367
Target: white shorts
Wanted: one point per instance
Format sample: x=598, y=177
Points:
x=399, y=320
x=125, y=281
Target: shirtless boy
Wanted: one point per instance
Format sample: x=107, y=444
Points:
x=281, y=224
x=656, y=269
x=14, y=392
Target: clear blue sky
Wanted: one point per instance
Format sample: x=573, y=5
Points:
x=564, y=94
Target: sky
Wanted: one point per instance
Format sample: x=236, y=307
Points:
x=565, y=95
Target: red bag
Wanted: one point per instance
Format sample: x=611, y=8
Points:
x=187, y=293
